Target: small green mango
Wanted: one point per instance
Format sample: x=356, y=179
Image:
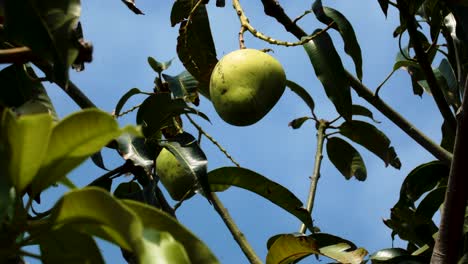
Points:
x=176, y=179
x=245, y=85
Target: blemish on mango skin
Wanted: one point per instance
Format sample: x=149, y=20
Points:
x=245, y=85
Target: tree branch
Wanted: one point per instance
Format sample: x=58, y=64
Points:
x=236, y=233
x=322, y=126
x=18, y=55
x=446, y=249
x=273, y=8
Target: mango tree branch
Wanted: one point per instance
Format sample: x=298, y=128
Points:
x=236, y=233
x=274, y=9
x=427, y=69
x=446, y=249
x=18, y=55
x=322, y=126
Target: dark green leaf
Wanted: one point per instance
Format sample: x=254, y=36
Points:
x=422, y=179
x=372, y=139
x=159, y=66
x=131, y=5
x=329, y=70
x=24, y=146
x=132, y=191
x=137, y=150
x=187, y=151
x=328, y=15
x=384, y=6
x=448, y=83
x=19, y=91
x=48, y=29
x=104, y=183
x=183, y=85
x=254, y=182
x=432, y=202
x=302, y=93
x=66, y=245
x=362, y=111
x=73, y=140
x=124, y=99
x=156, y=219
x=297, y=123
x=125, y=188
x=448, y=137
x=98, y=160
x=157, y=111
x=195, y=46
x=346, y=159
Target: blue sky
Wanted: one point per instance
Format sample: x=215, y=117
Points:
x=350, y=209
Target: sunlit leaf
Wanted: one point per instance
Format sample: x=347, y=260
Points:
x=302, y=93
x=330, y=71
x=254, y=182
x=182, y=85
x=346, y=159
x=159, y=66
x=137, y=150
x=161, y=247
x=372, y=139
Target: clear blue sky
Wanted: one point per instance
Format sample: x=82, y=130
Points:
x=350, y=209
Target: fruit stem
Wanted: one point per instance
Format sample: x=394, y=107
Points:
x=322, y=126
x=235, y=231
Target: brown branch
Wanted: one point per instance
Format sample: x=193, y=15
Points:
x=274, y=9
x=446, y=249
x=17, y=55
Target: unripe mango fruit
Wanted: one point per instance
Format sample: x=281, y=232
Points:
x=245, y=85
x=176, y=179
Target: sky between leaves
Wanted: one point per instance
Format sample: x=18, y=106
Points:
x=350, y=209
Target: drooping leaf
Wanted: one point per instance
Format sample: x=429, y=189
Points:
x=254, y=182
x=19, y=89
x=48, y=29
x=159, y=66
x=137, y=150
x=297, y=123
x=346, y=159
x=131, y=5
x=363, y=111
x=182, y=85
x=288, y=248
x=98, y=160
x=372, y=139
x=24, y=143
x=195, y=46
x=420, y=180
x=157, y=111
x=330, y=71
x=432, y=202
x=302, y=93
x=187, y=151
x=156, y=219
x=328, y=15
x=124, y=99
x=448, y=83
x=70, y=246
x=384, y=6
x=126, y=188
x=73, y=140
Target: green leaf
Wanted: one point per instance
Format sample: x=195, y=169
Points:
x=432, y=202
x=124, y=99
x=396, y=256
x=448, y=83
x=73, y=140
x=125, y=188
x=157, y=111
x=19, y=90
x=195, y=46
x=288, y=248
x=131, y=5
x=372, y=139
x=159, y=66
x=328, y=15
x=302, y=93
x=132, y=191
x=362, y=111
x=48, y=29
x=98, y=160
x=254, y=182
x=161, y=247
x=297, y=123
x=346, y=159
x=420, y=180
x=330, y=71
x=25, y=140
x=66, y=245
x=137, y=150
x=384, y=6
x=183, y=85
x=156, y=219
x=187, y=151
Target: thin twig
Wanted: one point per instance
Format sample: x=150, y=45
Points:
x=377, y=90
x=322, y=126
x=235, y=231
x=241, y=38
x=200, y=129
x=245, y=23
x=301, y=16
x=128, y=111
x=274, y=9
